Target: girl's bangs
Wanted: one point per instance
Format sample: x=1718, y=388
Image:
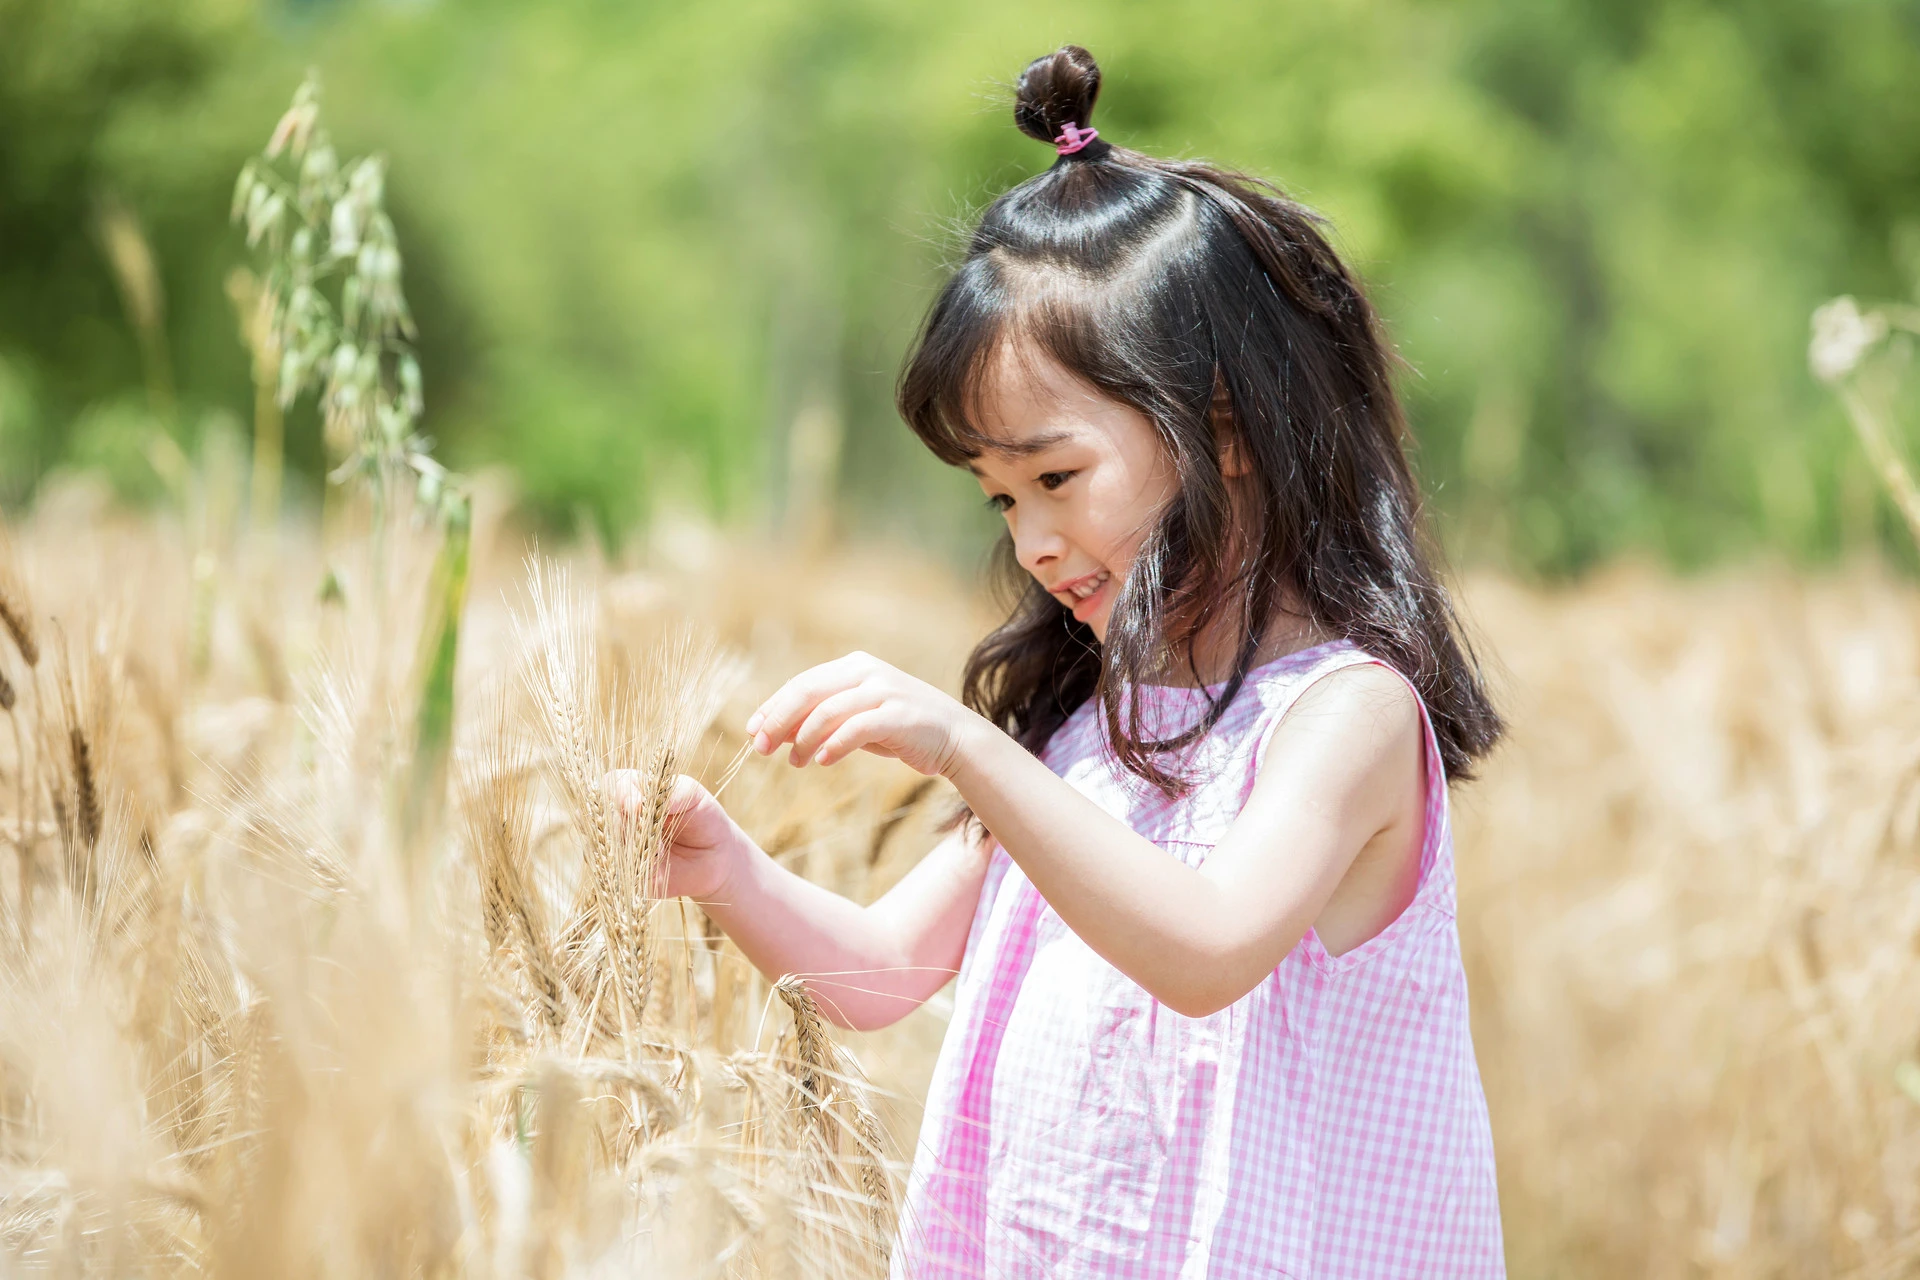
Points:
x=952, y=378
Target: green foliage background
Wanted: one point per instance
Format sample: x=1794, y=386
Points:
x=643, y=239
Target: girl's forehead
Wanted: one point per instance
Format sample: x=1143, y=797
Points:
x=1027, y=403
x=1021, y=379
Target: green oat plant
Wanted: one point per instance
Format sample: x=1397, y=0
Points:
x=329, y=316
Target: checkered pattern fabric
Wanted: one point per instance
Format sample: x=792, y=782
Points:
x=1330, y=1124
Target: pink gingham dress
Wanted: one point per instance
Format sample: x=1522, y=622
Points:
x=1328, y=1125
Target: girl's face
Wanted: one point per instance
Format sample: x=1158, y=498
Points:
x=1080, y=479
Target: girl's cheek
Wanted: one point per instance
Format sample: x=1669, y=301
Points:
x=1120, y=551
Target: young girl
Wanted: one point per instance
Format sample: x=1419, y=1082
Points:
x=1211, y=1019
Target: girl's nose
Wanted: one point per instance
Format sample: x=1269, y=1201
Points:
x=1037, y=543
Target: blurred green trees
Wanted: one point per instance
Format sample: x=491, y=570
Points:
x=671, y=253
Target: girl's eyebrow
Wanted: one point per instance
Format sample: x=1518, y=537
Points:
x=1038, y=443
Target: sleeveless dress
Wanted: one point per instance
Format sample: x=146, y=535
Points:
x=1329, y=1125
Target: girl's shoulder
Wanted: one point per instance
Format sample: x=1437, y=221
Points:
x=1337, y=677
x=1334, y=692
x=1266, y=696
x=1356, y=713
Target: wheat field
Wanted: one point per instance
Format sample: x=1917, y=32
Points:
x=272, y=1005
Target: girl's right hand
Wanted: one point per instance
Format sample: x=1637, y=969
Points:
x=707, y=844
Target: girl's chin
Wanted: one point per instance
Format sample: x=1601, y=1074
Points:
x=1096, y=620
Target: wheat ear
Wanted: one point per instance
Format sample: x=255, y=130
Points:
x=816, y=1060
x=813, y=1048
x=873, y=1167
x=86, y=787
x=498, y=827
x=647, y=849
x=16, y=618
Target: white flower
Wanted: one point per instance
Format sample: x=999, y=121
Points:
x=1842, y=333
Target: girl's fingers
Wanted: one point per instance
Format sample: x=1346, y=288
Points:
x=623, y=787
x=780, y=715
x=826, y=717
x=687, y=792
x=855, y=732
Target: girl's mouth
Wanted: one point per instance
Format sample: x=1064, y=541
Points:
x=1085, y=593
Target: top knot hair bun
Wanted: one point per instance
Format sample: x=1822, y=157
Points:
x=1054, y=101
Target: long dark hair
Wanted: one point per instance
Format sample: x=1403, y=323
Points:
x=1173, y=287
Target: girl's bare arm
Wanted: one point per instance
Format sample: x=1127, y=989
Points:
x=1342, y=777
x=866, y=966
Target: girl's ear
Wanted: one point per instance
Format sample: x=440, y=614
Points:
x=1226, y=441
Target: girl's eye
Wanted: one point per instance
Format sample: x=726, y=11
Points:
x=1054, y=479
x=1000, y=501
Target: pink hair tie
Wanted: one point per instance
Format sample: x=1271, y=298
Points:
x=1073, y=137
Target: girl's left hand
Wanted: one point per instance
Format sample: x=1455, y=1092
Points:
x=860, y=703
